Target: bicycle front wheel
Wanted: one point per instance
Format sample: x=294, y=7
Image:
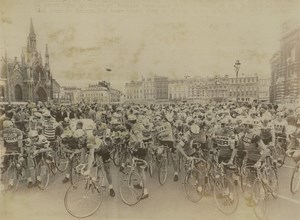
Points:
x=117, y=157
x=272, y=182
x=226, y=195
x=61, y=161
x=280, y=155
x=42, y=175
x=132, y=188
x=295, y=180
x=194, y=185
x=11, y=179
x=83, y=198
x=162, y=170
x=260, y=199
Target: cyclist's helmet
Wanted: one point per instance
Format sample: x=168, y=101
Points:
x=78, y=133
x=195, y=129
x=33, y=133
x=7, y=124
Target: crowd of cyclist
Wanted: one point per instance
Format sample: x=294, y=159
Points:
x=229, y=128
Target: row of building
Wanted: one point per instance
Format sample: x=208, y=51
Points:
x=199, y=89
x=100, y=92
x=285, y=66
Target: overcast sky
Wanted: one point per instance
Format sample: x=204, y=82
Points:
x=143, y=38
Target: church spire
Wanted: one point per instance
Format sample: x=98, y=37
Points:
x=47, y=65
x=31, y=28
x=32, y=37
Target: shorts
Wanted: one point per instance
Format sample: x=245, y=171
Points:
x=267, y=141
x=140, y=153
x=104, y=153
x=169, y=144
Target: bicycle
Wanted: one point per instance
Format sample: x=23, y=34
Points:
x=84, y=197
x=74, y=161
x=14, y=172
x=43, y=169
x=60, y=156
x=216, y=181
x=132, y=185
x=193, y=186
x=295, y=179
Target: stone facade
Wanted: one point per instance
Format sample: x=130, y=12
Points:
x=285, y=65
x=28, y=78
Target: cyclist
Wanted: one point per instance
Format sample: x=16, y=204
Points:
x=13, y=142
x=99, y=145
x=35, y=145
x=139, y=151
x=252, y=143
x=165, y=138
x=224, y=140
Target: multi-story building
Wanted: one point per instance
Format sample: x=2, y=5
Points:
x=134, y=91
x=149, y=89
x=217, y=88
x=69, y=94
x=95, y=94
x=161, y=87
x=285, y=65
x=197, y=87
x=178, y=90
x=115, y=96
x=28, y=78
x=264, y=89
x=243, y=88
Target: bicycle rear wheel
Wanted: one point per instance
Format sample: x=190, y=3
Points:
x=295, y=180
x=194, y=185
x=162, y=170
x=132, y=188
x=260, y=199
x=11, y=179
x=83, y=198
x=226, y=195
x=42, y=175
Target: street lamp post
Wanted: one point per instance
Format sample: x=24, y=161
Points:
x=108, y=70
x=237, y=66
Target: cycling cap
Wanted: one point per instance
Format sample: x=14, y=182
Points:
x=7, y=124
x=33, y=133
x=195, y=129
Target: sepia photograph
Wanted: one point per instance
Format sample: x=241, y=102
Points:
x=149, y=109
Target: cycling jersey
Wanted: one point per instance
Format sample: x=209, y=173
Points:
x=11, y=138
x=100, y=130
x=42, y=142
x=279, y=127
x=186, y=144
x=224, y=140
x=165, y=132
x=249, y=142
x=51, y=129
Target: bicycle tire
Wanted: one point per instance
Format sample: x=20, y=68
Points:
x=192, y=181
x=76, y=190
x=9, y=173
x=226, y=195
x=295, y=180
x=130, y=193
x=43, y=171
x=150, y=166
x=272, y=185
x=280, y=155
x=117, y=157
x=74, y=176
x=162, y=170
x=260, y=199
x=61, y=161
